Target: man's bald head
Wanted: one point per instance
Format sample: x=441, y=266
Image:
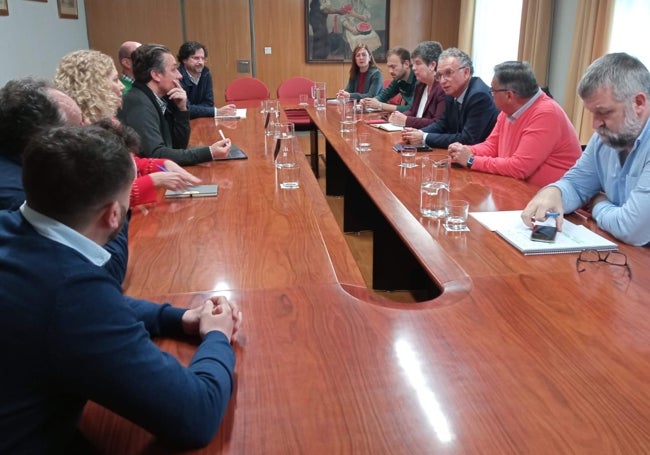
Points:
x=124, y=56
x=69, y=109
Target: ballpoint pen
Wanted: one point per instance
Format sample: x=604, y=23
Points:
x=552, y=214
x=162, y=168
x=222, y=136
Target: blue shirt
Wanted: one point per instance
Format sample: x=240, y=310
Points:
x=626, y=213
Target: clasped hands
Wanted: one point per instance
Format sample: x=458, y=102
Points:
x=215, y=313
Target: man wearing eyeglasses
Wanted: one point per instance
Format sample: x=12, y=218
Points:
x=612, y=177
x=533, y=139
x=470, y=113
x=124, y=57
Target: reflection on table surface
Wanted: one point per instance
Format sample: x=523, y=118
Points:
x=518, y=354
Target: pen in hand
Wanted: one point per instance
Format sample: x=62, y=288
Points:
x=222, y=135
x=162, y=168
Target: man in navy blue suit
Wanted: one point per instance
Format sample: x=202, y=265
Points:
x=470, y=113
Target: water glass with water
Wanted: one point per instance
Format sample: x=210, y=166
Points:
x=456, y=213
x=348, y=109
x=408, y=154
x=284, y=153
x=272, y=116
x=434, y=186
x=319, y=94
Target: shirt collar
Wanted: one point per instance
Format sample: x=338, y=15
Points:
x=461, y=98
x=127, y=78
x=60, y=233
x=195, y=80
x=644, y=132
x=162, y=103
x=522, y=109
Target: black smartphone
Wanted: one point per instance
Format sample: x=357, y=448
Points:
x=543, y=233
x=420, y=148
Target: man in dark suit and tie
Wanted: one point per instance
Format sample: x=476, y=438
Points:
x=470, y=113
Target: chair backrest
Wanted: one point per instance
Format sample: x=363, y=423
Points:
x=294, y=87
x=247, y=88
x=397, y=99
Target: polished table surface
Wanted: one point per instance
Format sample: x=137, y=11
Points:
x=253, y=235
x=519, y=354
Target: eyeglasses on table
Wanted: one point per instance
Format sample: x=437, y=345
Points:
x=609, y=257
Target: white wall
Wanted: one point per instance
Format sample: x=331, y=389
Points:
x=33, y=38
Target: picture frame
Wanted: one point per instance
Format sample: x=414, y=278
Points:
x=333, y=28
x=4, y=8
x=68, y=9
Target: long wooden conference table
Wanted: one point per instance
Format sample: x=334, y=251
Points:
x=507, y=353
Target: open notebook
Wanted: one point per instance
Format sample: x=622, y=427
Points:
x=573, y=238
x=386, y=126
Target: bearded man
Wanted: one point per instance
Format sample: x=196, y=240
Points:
x=612, y=177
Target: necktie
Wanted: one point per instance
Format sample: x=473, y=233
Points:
x=459, y=107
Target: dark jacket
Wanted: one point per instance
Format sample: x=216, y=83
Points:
x=200, y=97
x=162, y=135
x=371, y=87
x=433, y=110
x=469, y=125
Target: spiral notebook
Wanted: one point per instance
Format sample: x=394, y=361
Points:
x=573, y=238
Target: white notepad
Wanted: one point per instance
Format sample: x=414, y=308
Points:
x=386, y=126
x=573, y=238
x=194, y=191
x=241, y=113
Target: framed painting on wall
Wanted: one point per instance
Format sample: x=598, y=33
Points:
x=4, y=8
x=68, y=9
x=333, y=28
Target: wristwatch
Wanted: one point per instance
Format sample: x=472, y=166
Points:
x=470, y=161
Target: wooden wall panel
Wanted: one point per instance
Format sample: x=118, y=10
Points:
x=280, y=24
x=445, y=17
x=147, y=21
x=223, y=26
x=410, y=23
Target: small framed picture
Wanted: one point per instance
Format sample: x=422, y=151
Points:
x=68, y=9
x=4, y=8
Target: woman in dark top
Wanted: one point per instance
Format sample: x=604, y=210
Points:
x=365, y=80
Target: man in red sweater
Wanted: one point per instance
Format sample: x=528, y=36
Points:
x=533, y=138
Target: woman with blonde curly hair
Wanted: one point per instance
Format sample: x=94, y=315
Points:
x=91, y=79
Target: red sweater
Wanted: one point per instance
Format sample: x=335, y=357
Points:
x=143, y=190
x=539, y=147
